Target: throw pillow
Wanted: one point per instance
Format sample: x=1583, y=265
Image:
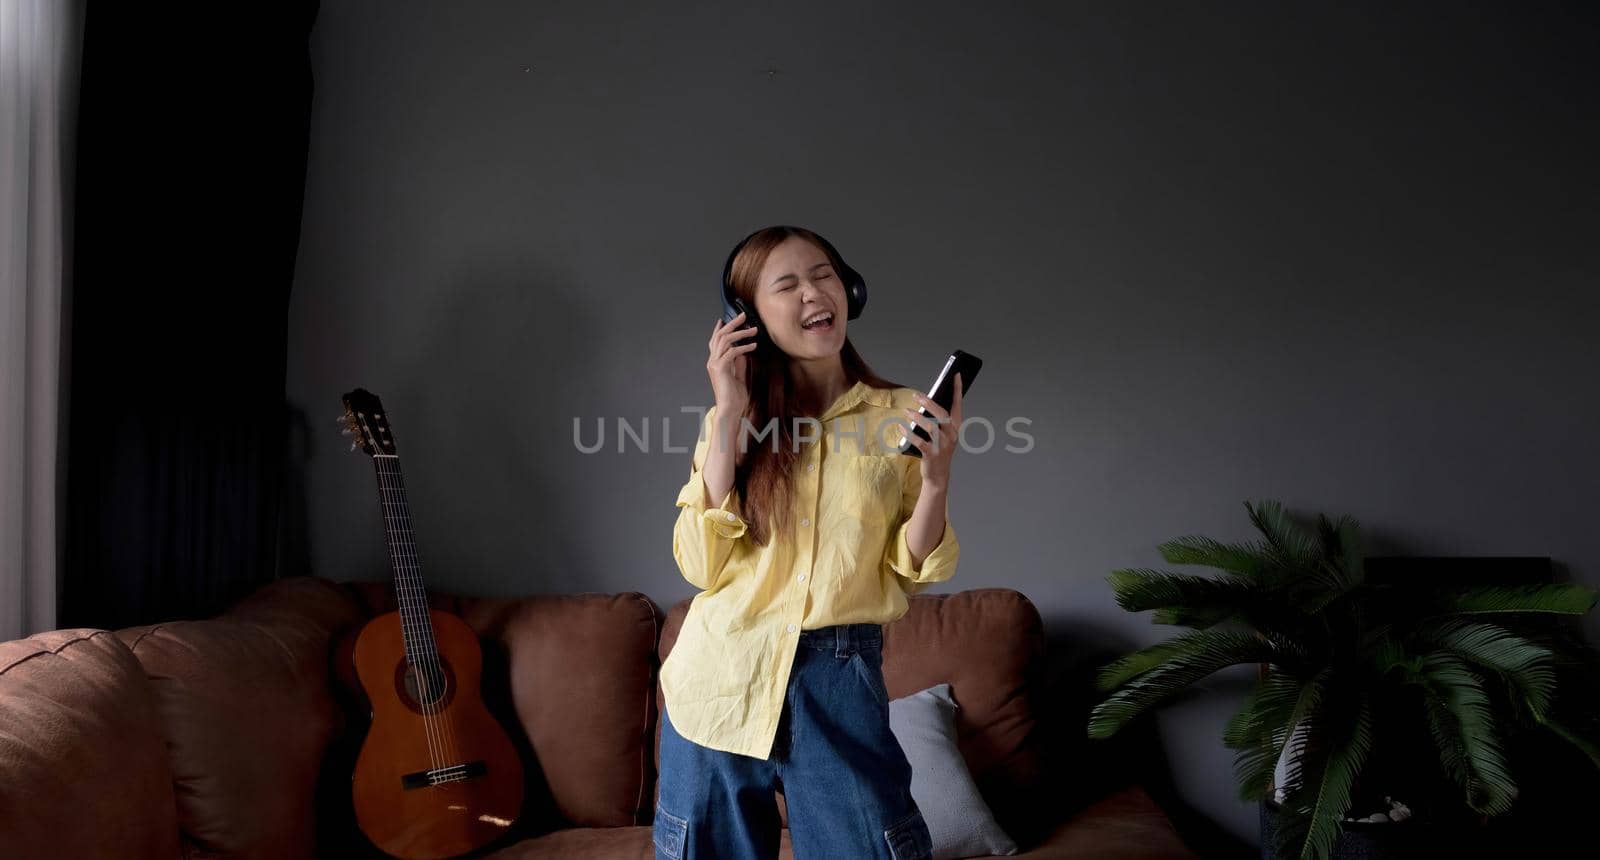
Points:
x=960, y=822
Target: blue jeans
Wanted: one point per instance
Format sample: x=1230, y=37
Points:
x=845, y=779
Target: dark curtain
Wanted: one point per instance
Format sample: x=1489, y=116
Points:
x=191, y=168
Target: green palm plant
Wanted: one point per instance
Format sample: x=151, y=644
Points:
x=1337, y=651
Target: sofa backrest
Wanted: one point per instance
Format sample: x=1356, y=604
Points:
x=572, y=678
x=83, y=765
x=988, y=644
x=248, y=713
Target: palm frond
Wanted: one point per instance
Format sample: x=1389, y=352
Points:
x=1568, y=598
x=1269, y=705
x=1310, y=578
x=1245, y=559
x=1277, y=701
x=1261, y=729
x=1129, y=666
x=1285, y=537
x=1327, y=772
x=1574, y=713
x=1524, y=666
x=1388, y=655
x=1194, y=601
x=1321, y=584
x=1341, y=543
x=1336, y=569
x=1463, y=727
x=1309, y=715
x=1254, y=607
x=1299, y=601
x=1191, y=657
x=1140, y=589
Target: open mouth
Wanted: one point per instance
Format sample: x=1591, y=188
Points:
x=822, y=322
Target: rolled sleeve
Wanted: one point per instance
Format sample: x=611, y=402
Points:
x=704, y=537
x=940, y=563
x=723, y=519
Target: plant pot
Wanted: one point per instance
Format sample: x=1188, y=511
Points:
x=1364, y=840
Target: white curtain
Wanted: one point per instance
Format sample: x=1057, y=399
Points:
x=40, y=47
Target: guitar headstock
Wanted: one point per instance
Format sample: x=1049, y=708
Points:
x=365, y=420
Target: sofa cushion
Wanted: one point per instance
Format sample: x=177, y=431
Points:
x=600, y=843
x=987, y=644
x=1128, y=825
x=1125, y=826
x=959, y=821
x=572, y=674
x=248, y=713
x=323, y=602
x=83, y=767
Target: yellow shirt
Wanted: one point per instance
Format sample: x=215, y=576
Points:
x=847, y=562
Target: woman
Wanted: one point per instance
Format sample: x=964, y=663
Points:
x=805, y=529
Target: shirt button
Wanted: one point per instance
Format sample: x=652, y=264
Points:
x=802, y=577
x=728, y=515
x=791, y=628
x=811, y=467
x=805, y=522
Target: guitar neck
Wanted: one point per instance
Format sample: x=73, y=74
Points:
x=416, y=624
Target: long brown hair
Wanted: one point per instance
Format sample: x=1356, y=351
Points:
x=764, y=479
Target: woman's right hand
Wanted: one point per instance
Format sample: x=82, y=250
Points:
x=728, y=367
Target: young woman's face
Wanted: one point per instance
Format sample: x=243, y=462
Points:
x=799, y=284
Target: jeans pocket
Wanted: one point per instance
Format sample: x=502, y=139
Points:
x=872, y=675
x=669, y=833
x=909, y=839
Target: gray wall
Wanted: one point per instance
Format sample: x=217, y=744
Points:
x=1342, y=258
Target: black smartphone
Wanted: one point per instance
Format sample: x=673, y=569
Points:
x=944, y=392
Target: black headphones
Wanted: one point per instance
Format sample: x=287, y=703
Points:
x=855, y=288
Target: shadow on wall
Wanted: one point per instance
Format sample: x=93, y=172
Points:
x=1076, y=649
x=294, y=537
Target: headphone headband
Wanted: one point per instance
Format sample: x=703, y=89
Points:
x=855, y=287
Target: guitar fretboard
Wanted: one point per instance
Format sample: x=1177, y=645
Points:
x=416, y=624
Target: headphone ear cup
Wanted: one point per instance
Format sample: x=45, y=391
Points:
x=857, y=298
x=749, y=320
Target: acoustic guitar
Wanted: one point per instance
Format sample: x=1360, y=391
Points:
x=437, y=776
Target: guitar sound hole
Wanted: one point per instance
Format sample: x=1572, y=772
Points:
x=427, y=687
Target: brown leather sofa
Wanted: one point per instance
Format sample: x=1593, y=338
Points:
x=236, y=736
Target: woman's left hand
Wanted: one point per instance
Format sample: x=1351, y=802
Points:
x=945, y=427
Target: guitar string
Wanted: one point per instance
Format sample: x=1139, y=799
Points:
x=425, y=658
x=408, y=600
x=434, y=659
x=437, y=681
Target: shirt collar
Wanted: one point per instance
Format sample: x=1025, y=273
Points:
x=854, y=395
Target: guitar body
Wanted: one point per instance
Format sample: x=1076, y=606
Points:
x=437, y=777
